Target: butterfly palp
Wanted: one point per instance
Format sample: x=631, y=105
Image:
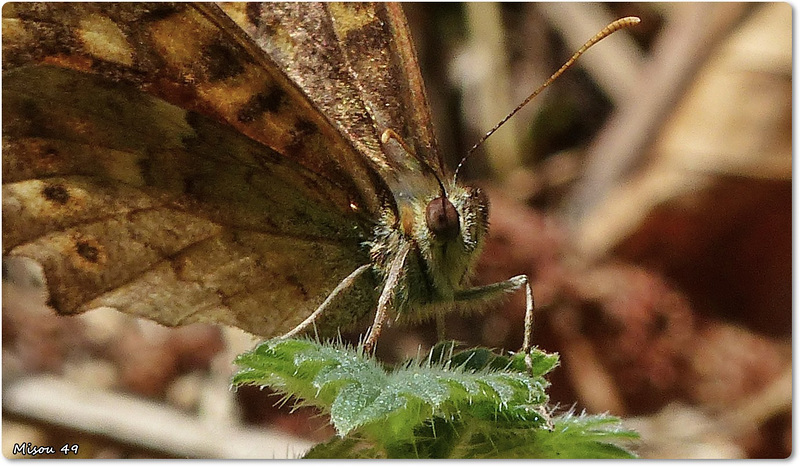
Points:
x=389, y=134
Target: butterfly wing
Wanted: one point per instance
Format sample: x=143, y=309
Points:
x=195, y=57
x=157, y=162
x=358, y=60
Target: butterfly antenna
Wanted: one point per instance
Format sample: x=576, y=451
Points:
x=615, y=26
x=391, y=134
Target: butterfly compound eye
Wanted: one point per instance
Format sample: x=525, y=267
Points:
x=442, y=218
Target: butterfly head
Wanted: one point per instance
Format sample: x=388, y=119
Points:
x=450, y=235
x=446, y=227
x=445, y=223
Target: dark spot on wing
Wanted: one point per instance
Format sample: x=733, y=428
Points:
x=267, y=101
x=222, y=60
x=145, y=169
x=31, y=121
x=88, y=251
x=200, y=124
x=191, y=185
x=294, y=281
x=56, y=194
x=302, y=130
x=304, y=127
x=51, y=154
x=53, y=303
x=193, y=119
x=152, y=12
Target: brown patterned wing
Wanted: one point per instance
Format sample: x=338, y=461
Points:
x=358, y=62
x=155, y=161
x=195, y=57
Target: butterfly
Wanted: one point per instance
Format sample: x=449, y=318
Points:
x=271, y=167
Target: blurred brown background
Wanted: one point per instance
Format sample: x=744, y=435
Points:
x=647, y=194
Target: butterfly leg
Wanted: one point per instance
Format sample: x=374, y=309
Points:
x=497, y=290
x=346, y=283
x=440, y=334
x=388, y=292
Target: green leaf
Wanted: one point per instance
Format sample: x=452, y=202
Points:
x=572, y=437
x=470, y=404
